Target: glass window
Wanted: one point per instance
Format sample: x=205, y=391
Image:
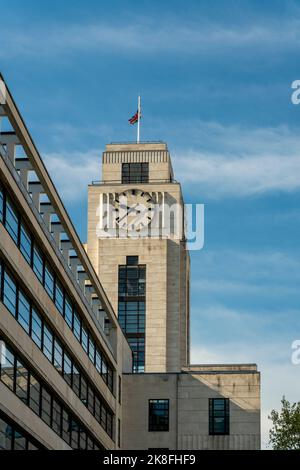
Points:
x=135, y=173
x=10, y=294
x=97, y=409
x=66, y=435
x=36, y=328
x=7, y=366
x=104, y=371
x=59, y=297
x=109, y=423
x=218, y=416
x=98, y=361
x=49, y=281
x=19, y=441
x=25, y=243
x=74, y=434
x=84, y=339
x=56, y=417
x=1, y=204
x=77, y=326
x=91, y=400
x=46, y=407
x=24, y=312
x=103, y=416
x=58, y=355
x=22, y=382
x=68, y=312
x=34, y=394
x=38, y=265
x=76, y=380
x=83, y=391
x=11, y=220
x=48, y=343
x=67, y=369
x=91, y=349
x=6, y=435
x=132, y=260
x=82, y=439
x=159, y=415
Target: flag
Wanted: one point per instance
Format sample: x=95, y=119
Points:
x=134, y=118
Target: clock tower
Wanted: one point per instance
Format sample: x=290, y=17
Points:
x=137, y=245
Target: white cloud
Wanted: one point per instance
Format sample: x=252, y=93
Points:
x=150, y=36
x=73, y=171
x=236, y=161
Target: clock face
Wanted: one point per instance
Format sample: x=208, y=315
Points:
x=134, y=209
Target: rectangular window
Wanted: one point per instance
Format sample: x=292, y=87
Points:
x=56, y=417
x=76, y=380
x=49, y=281
x=11, y=221
x=135, y=173
x=159, y=415
x=48, y=343
x=1, y=204
x=120, y=390
x=97, y=409
x=7, y=367
x=84, y=339
x=83, y=391
x=91, y=349
x=46, y=407
x=10, y=294
x=98, y=361
x=23, y=312
x=22, y=382
x=59, y=297
x=68, y=312
x=36, y=328
x=67, y=369
x=38, y=264
x=77, y=326
x=66, y=435
x=58, y=356
x=34, y=394
x=119, y=433
x=91, y=398
x=25, y=243
x=218, y=416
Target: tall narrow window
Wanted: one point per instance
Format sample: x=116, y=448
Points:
x=132, y=308
x=218, y=416
x=25, y=243
x=23, y=312
x=1, y=204
x=10, y=294
x=159, y=415
x=11, y=220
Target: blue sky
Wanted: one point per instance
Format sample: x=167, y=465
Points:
x=215, y=80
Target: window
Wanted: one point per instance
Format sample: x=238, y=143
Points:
x=68, y=312
x=36, y=328
x=47, y=343
x=21, y=382
x=91, y=349
x=132, y=308
x=76, y=380
x=16, y=375
x=10, y=294
x=159, y=415
x=218, y=416
x=1, y=204
x=11, y=221
x=34, y=394
x=46, y=407
x=38, y=265
x=49, y=281
x=132, y=260
x=25, y=243
x=58, y=355
x=12, y=437
x=135, y=172
x=119, y=433
x=7, y=367
x=23, y=312
x=77, y=326
x=67, y=369
x=120, y=390
x=84, y=339
x=59, y=297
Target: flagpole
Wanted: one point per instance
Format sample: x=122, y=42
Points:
x=138, y=123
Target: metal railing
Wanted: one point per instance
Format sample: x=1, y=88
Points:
x=50, y=238
x=119, y=181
